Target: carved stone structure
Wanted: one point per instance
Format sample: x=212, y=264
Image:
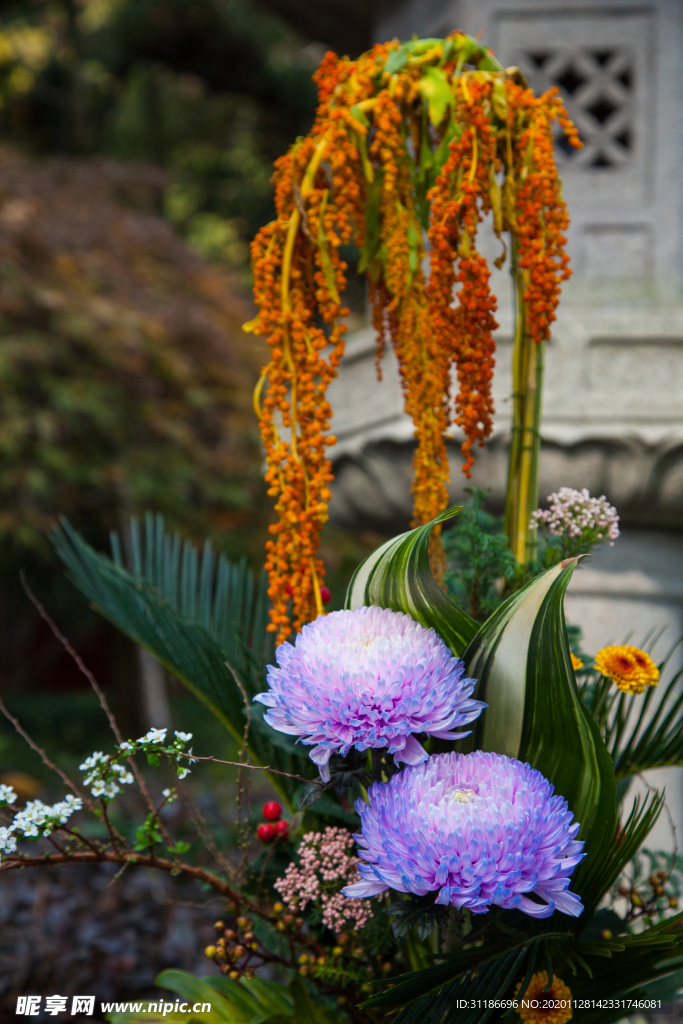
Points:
x=613, y=410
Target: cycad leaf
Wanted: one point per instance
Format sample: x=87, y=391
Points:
x=521, y=660
x=182, y=643
x=595, y=875
x=650, y=738
x=397, y=575
x=651, y=954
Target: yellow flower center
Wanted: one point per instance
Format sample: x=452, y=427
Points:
x=462, y=795
x=536, y=1006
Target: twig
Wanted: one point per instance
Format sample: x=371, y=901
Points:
x=46, y=760
x=112, y=832
x=44, y=614
x=242, y=830
x=254, y=768
x=79, y=837
x=205, y=832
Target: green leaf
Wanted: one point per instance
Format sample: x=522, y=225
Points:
x=371, y=247
x=359, y=116
x=325, y=258
x=397, y=575
x=594, y=876
x=521, y=660
x=192, y=990
x=437, y=94
x=642, y=739
x=396, y=60
x=194, y=631
x=489, y=63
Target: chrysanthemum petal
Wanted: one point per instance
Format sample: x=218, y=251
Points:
x=369, y=678
x=481, y=828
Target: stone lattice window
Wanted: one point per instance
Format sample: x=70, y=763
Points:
x=597, y=86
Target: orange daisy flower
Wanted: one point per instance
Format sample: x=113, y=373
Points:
x=631, y=669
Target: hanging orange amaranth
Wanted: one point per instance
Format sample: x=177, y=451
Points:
x=413, y=141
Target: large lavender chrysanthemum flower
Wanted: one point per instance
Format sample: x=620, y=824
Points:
x=368, y=678
x=481, y=828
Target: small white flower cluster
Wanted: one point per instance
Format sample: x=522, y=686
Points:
x=107, y=774
x=8, y=843
x=578, y=517
x=7, y=795
x=38, y=819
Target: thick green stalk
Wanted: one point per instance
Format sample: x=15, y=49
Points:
x=525, y=448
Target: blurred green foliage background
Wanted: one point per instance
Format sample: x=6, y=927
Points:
x=136, y=145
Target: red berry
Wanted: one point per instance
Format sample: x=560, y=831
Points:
x=272, y=810
x=289, y=590
x=281, y=827
x=325, y=595
x=266, y=833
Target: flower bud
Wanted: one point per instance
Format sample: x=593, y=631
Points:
x=243, y=922
x=234, y=975
x=219, y=926
x=238, y=952
x=229, y=935
x=210, y=951
x=278, y=908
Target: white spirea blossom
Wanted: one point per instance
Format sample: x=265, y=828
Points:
x=106, y=774
x=8, y=843
x=154, y=736
x=574, y=514
x=38, y=818
x=7, y=795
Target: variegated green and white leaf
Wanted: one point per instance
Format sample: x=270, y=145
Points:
x=397, y=575
x=521, y=660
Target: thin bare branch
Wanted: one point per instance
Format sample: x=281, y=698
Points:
x=45, y=615
x=254, y=768
x=45, y=759
x=204, y=831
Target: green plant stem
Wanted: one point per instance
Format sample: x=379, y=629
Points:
x=525, y=448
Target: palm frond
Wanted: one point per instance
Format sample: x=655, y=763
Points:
x=489, y=983
x=192, y=623
x=204, y=588
x=595, y=876
x=651, y=739
x=646, y=957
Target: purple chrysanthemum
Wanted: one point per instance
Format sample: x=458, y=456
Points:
x=368, y=678
x=481, y=828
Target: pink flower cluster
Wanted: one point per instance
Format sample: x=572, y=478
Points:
x=325, y=865
x=574, y=514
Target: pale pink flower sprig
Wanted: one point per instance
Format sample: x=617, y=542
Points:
x=577, y=519
x=325, y=865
